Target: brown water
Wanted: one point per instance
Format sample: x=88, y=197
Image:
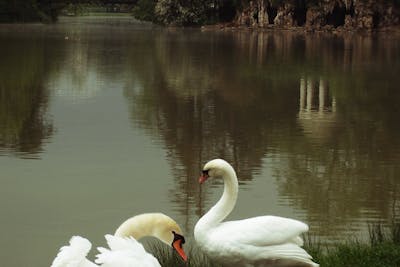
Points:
x=101, y=119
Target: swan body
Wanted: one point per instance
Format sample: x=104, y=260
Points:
x=257, y=241
x=124, y=249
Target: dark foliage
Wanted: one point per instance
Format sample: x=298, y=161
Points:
x=30, y=10
x=144, y=10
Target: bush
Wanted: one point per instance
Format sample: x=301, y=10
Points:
x=144, y=10
x=174, y=12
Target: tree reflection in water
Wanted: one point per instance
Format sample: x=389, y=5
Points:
x=241, y=102
x=24, y=126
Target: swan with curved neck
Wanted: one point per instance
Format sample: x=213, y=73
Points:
x=124, y=249
x=257, y=241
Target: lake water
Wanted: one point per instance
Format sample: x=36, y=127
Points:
x=105, y=118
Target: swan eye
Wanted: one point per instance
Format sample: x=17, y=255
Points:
x=205, y=172
x=178, y=237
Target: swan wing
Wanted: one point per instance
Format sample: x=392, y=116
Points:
x=261, y=231
x=75, y=254
x=124, y=252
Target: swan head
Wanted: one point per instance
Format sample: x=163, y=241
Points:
x=171, y=234
x=215, y=168
x=157, y=225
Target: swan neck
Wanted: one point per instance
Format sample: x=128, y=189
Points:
x=157, y=225
x=136, y=228
x=226, y=203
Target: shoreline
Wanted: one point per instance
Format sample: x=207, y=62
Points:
x=394, y=29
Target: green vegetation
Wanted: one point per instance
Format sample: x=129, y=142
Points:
x=357, y=254
x=382, y=250
x=77, y=9
x=183, y=13
x=167, y=257
x=144, y=10
x=48, y=10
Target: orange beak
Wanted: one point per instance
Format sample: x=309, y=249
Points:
x=203, y=178
x=177, y=244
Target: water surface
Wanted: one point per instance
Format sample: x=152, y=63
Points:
x=102, y=119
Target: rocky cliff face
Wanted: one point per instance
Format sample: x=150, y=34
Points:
x=321, y=15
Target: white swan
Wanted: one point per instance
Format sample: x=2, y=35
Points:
x=124, y=250
x=257, y=241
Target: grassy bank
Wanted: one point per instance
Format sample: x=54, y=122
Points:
x=382, y=250
x=355, y=254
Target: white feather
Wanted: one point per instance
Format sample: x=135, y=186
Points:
x=124, y=252
x=75, y=254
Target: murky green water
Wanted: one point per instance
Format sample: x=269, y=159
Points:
x=102, y=119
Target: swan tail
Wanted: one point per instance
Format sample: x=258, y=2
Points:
x=75, y=254
x=288, y=251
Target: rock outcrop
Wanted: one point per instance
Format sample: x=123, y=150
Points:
x=255, y=14
x=320, y=15
x=285, y=16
